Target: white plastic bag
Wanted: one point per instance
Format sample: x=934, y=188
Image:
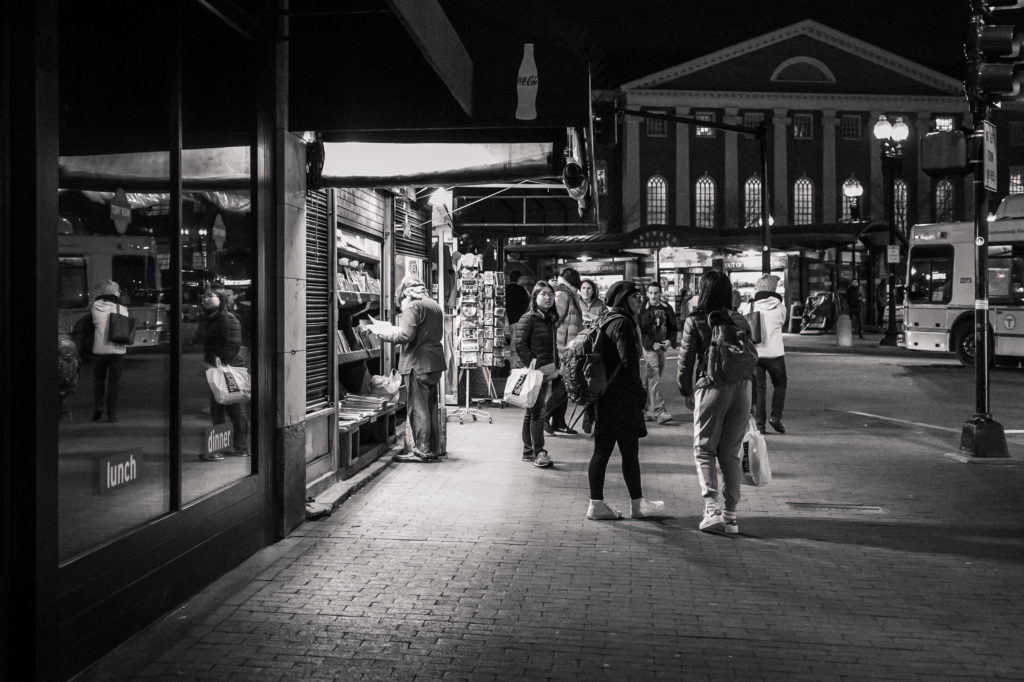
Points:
x=754, y=451
x=228, y=384
x=386, y=386
x=523, y=385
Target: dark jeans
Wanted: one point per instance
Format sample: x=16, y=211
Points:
x=776, y=369
x=106, y=380
x=533, y=428
x=238, y=413
x=557, y=418
x=855, y=325
x=629, y=448
x=423, y=410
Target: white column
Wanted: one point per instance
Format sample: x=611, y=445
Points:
x=632, y=182
x=780, y=179
x=829, y=190
x=684, y=183
x=733, y=216
x=876, y=183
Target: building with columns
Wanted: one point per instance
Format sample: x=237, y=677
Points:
x=820, y=92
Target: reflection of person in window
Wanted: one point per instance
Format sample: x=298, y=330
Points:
x=106, y=371
x=222, y=340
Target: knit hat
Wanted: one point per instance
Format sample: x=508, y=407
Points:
x=767, y=283
x=108, y=288
x=618, y=294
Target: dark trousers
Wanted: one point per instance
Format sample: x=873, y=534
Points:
x=238, y=413
x=106, y=380
x=629, y=448
x=533, y=428
x=423, y=411
x=557, y=418
x=776, y=369
x=855, y=325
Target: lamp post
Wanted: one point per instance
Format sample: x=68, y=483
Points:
x=891, y=137
x=853, y=190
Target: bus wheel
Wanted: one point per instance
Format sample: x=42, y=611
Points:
x=965, y=345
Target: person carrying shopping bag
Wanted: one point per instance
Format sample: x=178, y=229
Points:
x=222, y=341
x=535, y=341
x=618, y=413
x=107, y=355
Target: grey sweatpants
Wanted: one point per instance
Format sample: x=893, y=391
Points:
x=720, y=418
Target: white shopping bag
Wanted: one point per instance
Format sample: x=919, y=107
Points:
x=228, y=384
x=523, y=386
x=754, y=451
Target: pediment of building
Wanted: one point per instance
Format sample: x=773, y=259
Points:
x=806, y=57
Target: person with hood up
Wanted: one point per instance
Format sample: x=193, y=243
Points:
x=721, y=413
x=106, y=369
x=570, y=322
x=618, y=415
x=771, y=353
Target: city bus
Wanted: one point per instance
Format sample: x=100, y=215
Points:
x=131, y=261
x=939, y=305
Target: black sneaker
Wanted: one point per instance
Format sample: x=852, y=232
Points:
x=777, y=425
x=565, y=430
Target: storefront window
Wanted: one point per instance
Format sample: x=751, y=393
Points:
x=115, y=424
x=218, y=251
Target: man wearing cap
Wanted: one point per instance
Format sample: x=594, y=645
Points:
x=771, y=355
x=422, y=362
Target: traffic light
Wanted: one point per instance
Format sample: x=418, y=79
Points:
x=995, y=54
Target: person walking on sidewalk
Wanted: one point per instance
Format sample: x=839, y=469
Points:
x=720, y=412
x=618, y=415
x=570, y=322
x=658, y=331
x=771, y=354
x=421, y=327
x=535, y=340
x=107, y=355
x=853, y=302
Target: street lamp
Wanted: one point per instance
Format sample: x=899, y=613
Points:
x=891, y=136
x=853, y=190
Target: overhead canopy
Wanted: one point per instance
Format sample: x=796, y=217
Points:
x=787, y=237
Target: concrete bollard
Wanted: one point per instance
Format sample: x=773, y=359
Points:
x=844, y=331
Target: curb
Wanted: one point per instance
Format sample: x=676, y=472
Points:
x=337, y=494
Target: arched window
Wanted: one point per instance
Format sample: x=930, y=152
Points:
x=803, y=201
x=944, y=199
x=704, y=208
x=899, y=206
x=656, y=200
x=752, y=201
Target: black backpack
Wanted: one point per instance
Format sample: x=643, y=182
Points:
x=582, y=369
x=730, y=356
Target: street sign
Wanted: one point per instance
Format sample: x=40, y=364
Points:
x=120, y=211
x=892, y=253
x=989, y=156
x=219, y=232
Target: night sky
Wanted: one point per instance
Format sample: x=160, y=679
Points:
x=625, y=40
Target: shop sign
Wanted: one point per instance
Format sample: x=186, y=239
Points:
x=596, y=268
x=217, y=438
x=656, y=238
x=117, y=471
x=750, y=263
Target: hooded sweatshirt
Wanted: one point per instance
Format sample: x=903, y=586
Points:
x=773, y=317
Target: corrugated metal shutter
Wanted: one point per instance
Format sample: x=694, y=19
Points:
x=318, y=333
x=414, y=241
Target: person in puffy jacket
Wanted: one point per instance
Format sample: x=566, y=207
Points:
x=590, y=303
x=771, y=353
x=535, y=340
x=106, y=369
x=721, y=413
x=570, y=322
x=222, y=340
x=618, y=415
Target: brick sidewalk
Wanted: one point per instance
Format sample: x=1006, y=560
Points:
x=857, y=562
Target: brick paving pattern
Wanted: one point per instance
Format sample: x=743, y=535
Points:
x=869, y=557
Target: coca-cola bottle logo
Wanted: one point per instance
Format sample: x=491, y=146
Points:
x=527, y=80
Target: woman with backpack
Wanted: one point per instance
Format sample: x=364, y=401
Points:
x=618, y=414
x=720, y=401
x=535, y=341
x=107, y=355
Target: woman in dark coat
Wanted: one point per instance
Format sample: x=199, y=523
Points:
x=535, y=340
x=618, y=415
x=222, y=340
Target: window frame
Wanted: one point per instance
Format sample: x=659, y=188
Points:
x=704, y=193
x=803, y=201
x=797, y=128
x=655, y=199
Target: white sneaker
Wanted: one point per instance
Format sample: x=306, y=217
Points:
x=664, y=418
x=731, y=525
x=641, y=507
x=712, y=521
x=542, y=461
x=600, y=511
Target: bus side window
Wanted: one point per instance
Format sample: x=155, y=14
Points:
x=1017, y=281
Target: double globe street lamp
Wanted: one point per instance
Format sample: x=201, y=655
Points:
x=891, y=137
